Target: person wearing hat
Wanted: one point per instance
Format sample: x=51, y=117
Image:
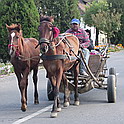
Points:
x=83, y=39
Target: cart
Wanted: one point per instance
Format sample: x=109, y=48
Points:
x=98, y=73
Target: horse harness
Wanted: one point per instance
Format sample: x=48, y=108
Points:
x=17, y=53
x=63, y=38
x=15, y=46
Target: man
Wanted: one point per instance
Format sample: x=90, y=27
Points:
x=84, y=41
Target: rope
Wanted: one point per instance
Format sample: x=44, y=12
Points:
x=63, y=38
x=25, y=59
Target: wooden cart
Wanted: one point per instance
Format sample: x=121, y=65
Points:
x=97, y=74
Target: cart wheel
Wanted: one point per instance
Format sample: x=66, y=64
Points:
x=111, y=88
x=50, y=94
x=112, y=71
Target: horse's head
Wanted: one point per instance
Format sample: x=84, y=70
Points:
x=47, y=32
x=14, y=35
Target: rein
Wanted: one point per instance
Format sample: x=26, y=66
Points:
x=9, y=45
x=22, y=58
x=16, y=51
x=63, y=39
x=59, y=57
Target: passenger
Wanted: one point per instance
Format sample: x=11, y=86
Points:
x=83, y=39
x=91, y=47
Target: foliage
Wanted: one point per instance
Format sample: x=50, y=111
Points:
x=99, y=15
x=6, y=68
x=115, y=48
x=13, y=11
x=118, y=5
x=108, y=22
x=94, y=8
x=62, y=10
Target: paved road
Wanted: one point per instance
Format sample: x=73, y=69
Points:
x=93, y=108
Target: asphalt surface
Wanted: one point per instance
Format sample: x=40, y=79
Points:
x=93, y=108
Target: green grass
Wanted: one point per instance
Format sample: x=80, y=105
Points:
x=115, y=49
x=6, y=69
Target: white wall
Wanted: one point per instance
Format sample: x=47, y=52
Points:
x=102, y=38
x=93, y=30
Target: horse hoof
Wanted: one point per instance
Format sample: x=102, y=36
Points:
x=36, y=102
x=53, y=114
x=59, y=109
x=23, y=108
x=76, y=103
x=66, y=104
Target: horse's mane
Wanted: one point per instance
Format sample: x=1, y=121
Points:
x=46, y=18
x=15, y=27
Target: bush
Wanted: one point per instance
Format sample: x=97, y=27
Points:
x=6, y=69
x=17, y=11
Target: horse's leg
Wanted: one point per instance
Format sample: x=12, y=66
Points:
x=19, y=77
x=56, y=84
x=76, y=95
x=23, y=89
x=26, y=89
x=36, y=101
x=66, y=91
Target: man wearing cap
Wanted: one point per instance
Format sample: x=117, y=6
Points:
x=83, y=39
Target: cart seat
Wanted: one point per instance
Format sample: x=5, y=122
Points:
x=94, y=63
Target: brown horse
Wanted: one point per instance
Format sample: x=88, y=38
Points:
x=24, y=58
x=58, y=54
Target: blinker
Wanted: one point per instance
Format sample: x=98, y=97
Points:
x=44, y=40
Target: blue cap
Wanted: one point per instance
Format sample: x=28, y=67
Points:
x=75, y=21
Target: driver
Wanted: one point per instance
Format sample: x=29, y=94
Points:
x=83, y=39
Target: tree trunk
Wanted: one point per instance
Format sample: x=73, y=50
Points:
x=97, y=35
x=108, y=41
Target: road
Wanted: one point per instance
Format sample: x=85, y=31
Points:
x=93, y=108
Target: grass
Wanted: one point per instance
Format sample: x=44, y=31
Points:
x=115, y=48
x=6, y=69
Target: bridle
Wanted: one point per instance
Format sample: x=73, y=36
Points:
x=15, y=47
x=49, y=41
x=44, y=40
x=61, y=38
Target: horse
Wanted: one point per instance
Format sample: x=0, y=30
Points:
x=24, y=58
x=59, y=55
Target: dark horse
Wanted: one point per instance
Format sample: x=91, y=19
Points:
x=58, y=54
x=24, y=58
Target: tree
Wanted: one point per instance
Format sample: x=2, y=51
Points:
x=13, y=11
x=108, y=22
x=99, y=15
x=62, y=10
x=118, y=5
x=94, y=8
